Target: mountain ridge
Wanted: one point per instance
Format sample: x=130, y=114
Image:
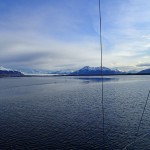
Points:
x=145, y=71
x=86, y=70
x=4, y=72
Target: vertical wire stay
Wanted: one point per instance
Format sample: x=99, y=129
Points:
x=101, y=48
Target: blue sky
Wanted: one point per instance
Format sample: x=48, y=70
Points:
x=61, y=34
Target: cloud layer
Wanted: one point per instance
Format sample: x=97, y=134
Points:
x=65, y=33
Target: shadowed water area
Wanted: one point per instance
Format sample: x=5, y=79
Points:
x=63, y=113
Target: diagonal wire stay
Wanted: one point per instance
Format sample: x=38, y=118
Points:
x=139, y=125
x=142, y=115
x=137, y=139
x=101, y=48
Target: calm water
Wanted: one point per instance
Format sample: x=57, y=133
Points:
x=64, y=113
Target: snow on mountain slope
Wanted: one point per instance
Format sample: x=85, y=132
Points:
x=95, y=71
x=4, y=69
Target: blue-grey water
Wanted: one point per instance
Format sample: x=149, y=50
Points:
x=65, y=113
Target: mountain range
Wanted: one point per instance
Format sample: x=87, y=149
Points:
x=29, y=71
x=96, y=71
x=87, y=70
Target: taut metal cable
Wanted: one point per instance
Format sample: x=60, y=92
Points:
x=137, y=133
x=142, y=114
x=139, y=125
x=101, y=48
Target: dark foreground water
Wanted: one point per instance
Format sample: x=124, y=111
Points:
x=64, y=113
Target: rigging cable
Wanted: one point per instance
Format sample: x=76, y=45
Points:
x=139, y=125
x=142, y=115
x=101, y=48
x=102, y=101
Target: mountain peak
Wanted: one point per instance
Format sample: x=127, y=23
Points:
x=86, y=67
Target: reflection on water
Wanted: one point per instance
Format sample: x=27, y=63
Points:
x=64, y=113
x=97, y=79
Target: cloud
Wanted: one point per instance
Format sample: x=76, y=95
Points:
x=48, y=36
x=143, y=65
x=40, y=52
x=128, y=36
x=61, y=34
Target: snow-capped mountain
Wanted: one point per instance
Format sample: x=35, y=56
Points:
x=95, y=71
x=4, y=72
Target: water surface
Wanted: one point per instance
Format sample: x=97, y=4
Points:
x=63, y=113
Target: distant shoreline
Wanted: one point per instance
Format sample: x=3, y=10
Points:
x=70, y=75
x=82, y=75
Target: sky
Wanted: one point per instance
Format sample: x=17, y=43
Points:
x=64, y=34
